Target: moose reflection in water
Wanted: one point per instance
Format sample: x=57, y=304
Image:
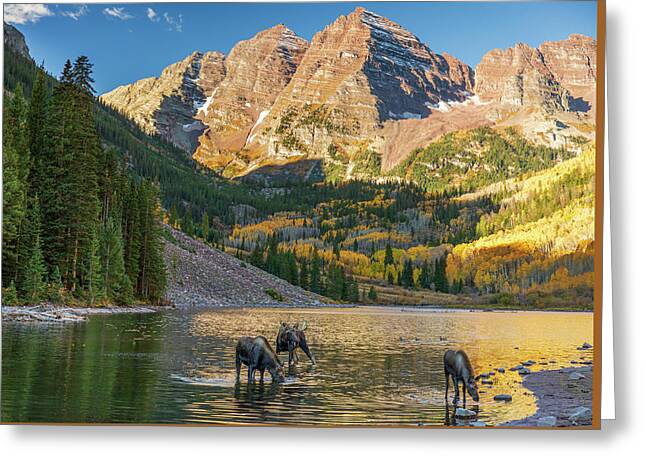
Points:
x=290, y=338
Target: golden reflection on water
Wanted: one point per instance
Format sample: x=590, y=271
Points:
x=375, y=366
x=384, y=365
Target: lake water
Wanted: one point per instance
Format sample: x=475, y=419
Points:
x=375, y=366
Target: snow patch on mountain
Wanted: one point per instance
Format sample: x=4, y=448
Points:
x=261, y=118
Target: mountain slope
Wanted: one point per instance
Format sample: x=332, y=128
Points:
x=166, y=105
x=201, y=275
x=364, y=94
x=257, y=70
x=359, y=72
x=539, y=244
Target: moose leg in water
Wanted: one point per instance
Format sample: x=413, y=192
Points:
x=302, y=341
x=458, y=366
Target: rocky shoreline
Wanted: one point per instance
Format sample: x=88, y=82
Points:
x=564, y=398
x=63, y=314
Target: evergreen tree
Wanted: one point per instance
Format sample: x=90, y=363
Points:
x=9, y=295
x=388, y=256
x=34, y=286
x=152, y=278
x=315, y=273
x=441, y=283
x=304, y=275
x=94, y=276
x=70, y=197
x=205, y=226
x=36, y=120
x=372, y=294
x=406, y=277
x=425, y=276
x=115, y=281
x=30, y=237
x=55, y=287
x=15, y=169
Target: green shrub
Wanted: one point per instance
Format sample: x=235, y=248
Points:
x=271, y=292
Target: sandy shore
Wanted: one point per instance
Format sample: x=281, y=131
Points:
x=564, y=397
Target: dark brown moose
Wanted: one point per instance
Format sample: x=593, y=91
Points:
x=290, y=338
x=458, y=366
x=257, y=354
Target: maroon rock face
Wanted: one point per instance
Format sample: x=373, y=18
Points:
x=573, y=62
x=519, y=77
x=359, y=72
x=257, y=70
x=166, y=105
x=556, y=76
x=364, y=86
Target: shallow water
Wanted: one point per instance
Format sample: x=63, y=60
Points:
x=375, y=366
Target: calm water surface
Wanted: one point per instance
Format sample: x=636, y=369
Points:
x=375, y=366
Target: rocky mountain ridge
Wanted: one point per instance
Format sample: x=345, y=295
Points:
x=257, y=70
x=15, y=39
x=364, y=88
x=166, y=105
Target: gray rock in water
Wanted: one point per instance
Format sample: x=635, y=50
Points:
x=515, y=368
x=502, y=397
x=546, y=421
x=487, y=382
x=524, y=371
x=580, y=413
x=478, y=424
x=586, y=346
x=528, y=363
x=501, y=370
x=576, y=376
x=464, y=413
x=484, y=375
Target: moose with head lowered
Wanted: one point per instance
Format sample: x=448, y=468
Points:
x=290, y=338
x=458, y=367
x=257, y=354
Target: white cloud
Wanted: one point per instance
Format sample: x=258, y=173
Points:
x=76, y=14
x=175, y=23
x=152, y=15
x=119, y=13
x=25, y=13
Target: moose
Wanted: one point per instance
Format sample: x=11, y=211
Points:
x=291, y=337
x=458, y=366
x=257, y=354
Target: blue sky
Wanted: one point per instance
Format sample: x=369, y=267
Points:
x=128, y=42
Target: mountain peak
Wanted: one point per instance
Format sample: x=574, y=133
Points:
x=15, y=40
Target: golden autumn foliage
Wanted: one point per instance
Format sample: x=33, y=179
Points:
x=552, y=253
